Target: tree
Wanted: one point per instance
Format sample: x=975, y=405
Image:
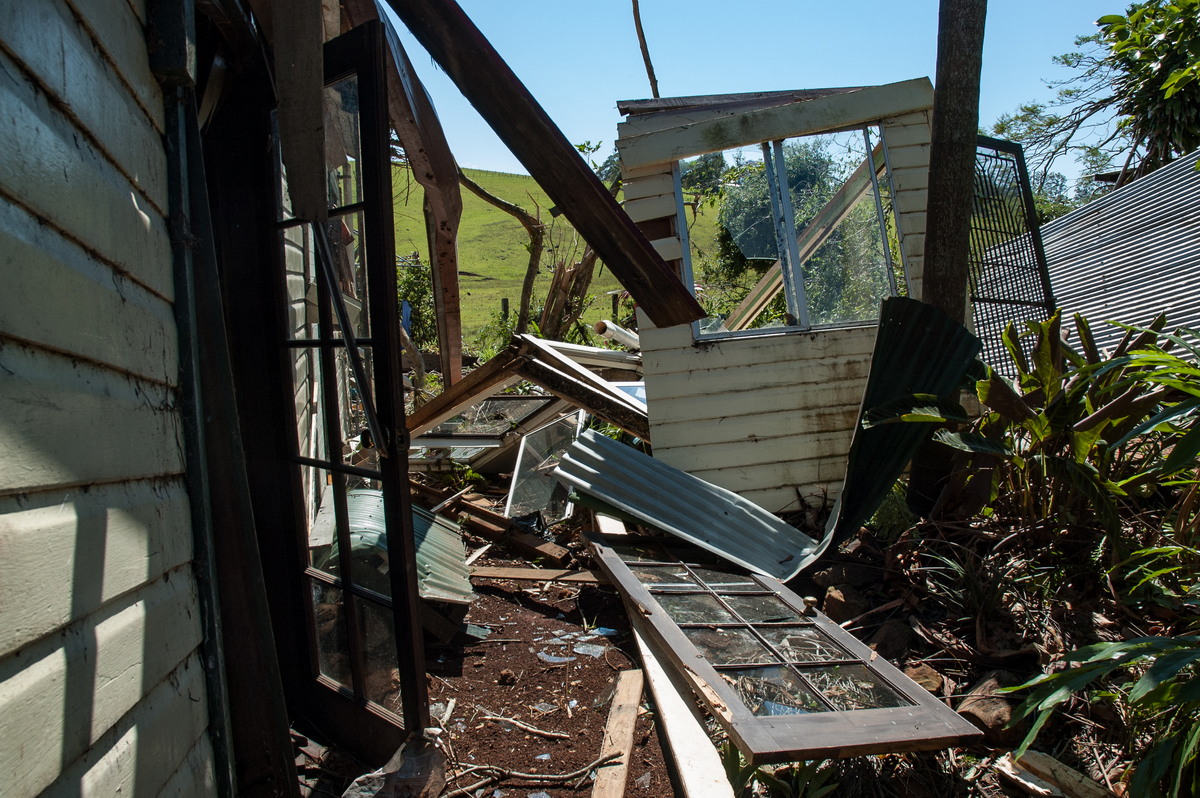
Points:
x=1134, y=100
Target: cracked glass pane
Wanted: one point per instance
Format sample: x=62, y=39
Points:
x=724, y=646
x=663, y=576
x=693, y=608
x=802, y=643
x=649, y=552
x=853, y=687
x=773, y=691
x=724, y=581
x=762, y=609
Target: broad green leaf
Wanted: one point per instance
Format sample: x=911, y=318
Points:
x=1184, y=453
x=921, y=407
x=972, y=442
x=1165, y=667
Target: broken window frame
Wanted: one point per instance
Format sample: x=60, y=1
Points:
x=787, y=275
x=924, y=724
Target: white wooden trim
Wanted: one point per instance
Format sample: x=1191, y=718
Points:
x=796, y=119
x=652, y=186
x=657, y=207
x=668, y=249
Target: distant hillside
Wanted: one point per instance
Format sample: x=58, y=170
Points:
x=492, y=245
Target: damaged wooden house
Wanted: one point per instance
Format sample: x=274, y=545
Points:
x=206, y=524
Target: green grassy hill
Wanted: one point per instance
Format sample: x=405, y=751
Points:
x=492, y=246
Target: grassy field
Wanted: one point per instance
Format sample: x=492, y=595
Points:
x=492, y=246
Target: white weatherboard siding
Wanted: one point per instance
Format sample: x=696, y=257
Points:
x=101, y=687
x=768, y=417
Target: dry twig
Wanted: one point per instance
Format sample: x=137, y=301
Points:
x=523, y=726
x=499, y=774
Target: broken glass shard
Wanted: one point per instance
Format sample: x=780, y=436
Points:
x=663, y=576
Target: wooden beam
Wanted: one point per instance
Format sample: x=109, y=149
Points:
x=475, y=387
x=530, y=544
x=618, y=735
x=819, y=115
x=538, y=575
x=697, y=764
x=490, y=85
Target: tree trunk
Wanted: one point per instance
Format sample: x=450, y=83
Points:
x=951, y=193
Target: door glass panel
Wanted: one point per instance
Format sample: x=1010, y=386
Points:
x=773, y=691
x=762, y=609
x=725, y=646
x=664, y=576
x=853, y=687
x=333, y=640
x=801, y=643
x=343, y=148
x=300, y=277
x=382, y=676
x=693, y=608
x=345, y=232
x=724, y=581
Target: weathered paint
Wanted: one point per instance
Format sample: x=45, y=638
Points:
x=101, y=687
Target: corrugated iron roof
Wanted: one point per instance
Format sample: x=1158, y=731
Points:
x=1131, y=254
x=713, y=518
x=442, y=571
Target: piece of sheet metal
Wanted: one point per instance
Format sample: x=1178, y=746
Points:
x=674, y=501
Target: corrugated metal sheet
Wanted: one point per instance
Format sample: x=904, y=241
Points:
x=1131, y=254
x=677, y=502
x=442, y=570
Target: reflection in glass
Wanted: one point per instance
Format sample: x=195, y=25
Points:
x=726, y=646
x=648, y=552
x=773, y=691
x=853, y=687
x=343, y=152
x=383, y=676
x=494, y=416
x=534, y=490
x=300, y=278
x=802, y=643
x=333, y=639
x=345, y=235
x=762, y=609
x=693, y=608
x=663, y=576
x=725, y=581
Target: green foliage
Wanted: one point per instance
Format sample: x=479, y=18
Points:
x=1134, y=94
x=1156, y=677
x=798, y=780
x=413, y=284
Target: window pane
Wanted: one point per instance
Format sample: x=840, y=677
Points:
x=725, y=581
x=346, y=246
x=494, y=416
x=853, y=687
x=534, y=490
x=773, y=691
x=664, y=576
x=299, y=263
x=333, y=640
x=762, y=609
x=383, y=675
x=343, y=151
x=725, y=646
x=802, y=643
x=696, y=608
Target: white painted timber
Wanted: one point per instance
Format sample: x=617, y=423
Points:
x=697, y=763
x=64, y=694
x=142, y=752
x=103, y=541
x=668, y=249
x=802, y=118
x=49, y=42
x=643, y=210
x=76, y=189
x=118, y=31
x=113, y=320
x=65, y=422
x=651, y=186
x=197, y=774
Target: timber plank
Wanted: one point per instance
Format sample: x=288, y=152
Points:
x=760, y=426
x=76, y=189
x=69, y=423
x=618, y=735
x=104, y=542
x=697, y=763
x=113, y=320
x=790, y=349
x=47, y=40
x=669, y=248
x=823, y=468
x=650, y=186
x=530, y=544
x=656, y=207
x=678, y=387
x=89, y=677
x=903, y=134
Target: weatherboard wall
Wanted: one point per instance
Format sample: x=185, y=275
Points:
x=101, y=687
x=768, y=416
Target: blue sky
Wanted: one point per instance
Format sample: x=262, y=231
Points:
x=578, y=58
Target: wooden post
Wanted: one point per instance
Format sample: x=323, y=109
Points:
x=618, y=735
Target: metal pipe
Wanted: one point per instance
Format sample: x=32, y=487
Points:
x=614, y=332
